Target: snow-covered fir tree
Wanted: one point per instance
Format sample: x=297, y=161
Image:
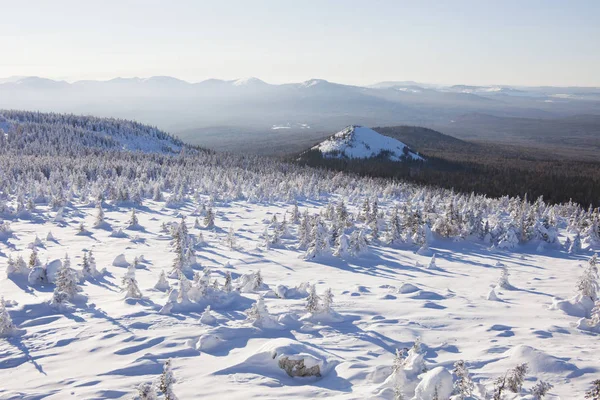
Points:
x=230, y=241
x=66, y=283
x=588, y=284
x=99, y=222
x=34, y=260
x=503, y=281
x=130, y=286
x=209, y=219
x=594, y=392
x=358, y=243
x=16, y=267
x=313, y=300
x=6, y=324
x=88, y=265
x=541, y=389
x=227, y=286
x=259, y=315
x=162, y=284
x=515, y=377
x=133, y=220
x=146, y=391
x=166, y=381
x=575, y=247
x=463, y=386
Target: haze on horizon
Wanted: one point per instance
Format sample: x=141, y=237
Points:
x=353, y=42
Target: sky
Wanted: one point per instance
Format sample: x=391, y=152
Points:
x=524, y=42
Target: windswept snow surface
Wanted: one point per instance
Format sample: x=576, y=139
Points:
x=106, y=346
x=360, y=142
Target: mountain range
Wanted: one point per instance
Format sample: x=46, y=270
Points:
x=252, y=115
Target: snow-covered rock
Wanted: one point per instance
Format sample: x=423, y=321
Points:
x=288, y=359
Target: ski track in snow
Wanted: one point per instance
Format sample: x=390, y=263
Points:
x=107, y=347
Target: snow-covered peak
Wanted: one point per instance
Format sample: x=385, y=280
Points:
x=313, y=82
x=248, y=82
x=360, y=142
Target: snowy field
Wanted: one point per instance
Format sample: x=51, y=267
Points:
x=133, y=266
x=104, y=346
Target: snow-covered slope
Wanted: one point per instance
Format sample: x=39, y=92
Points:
x=316, y=280
x=360, y=142
x=57, y=133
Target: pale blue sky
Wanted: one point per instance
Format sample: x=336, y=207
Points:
x=526, y=42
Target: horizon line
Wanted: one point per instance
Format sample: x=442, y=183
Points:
x=16, y=78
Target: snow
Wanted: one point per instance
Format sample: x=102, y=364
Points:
x=240, y=320
x=124, y=344
x=361, y=142
x=288, y=125
x=248, y=81
x=438, y=379
x=313, y=82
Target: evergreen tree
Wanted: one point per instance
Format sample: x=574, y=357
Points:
x=499, y=386
x=313, y=300
x=504, y=275
x=166, y=381
x=594, y=392
x=588, y=284
x=162, y=284
x=133, y=220
x=129, y=284
x=146, y=391
x=227, y=285
x=341, y=213
x=209, y=219
x=66, y=279
x=463, y=385
x=34, y=261
x=515, y=378
x=575, y=244
x=6, y=324
x=257, y=281
x=295, y=217
x=99, y=215
x=230, y=241
x=327, y=301
x=540, y=390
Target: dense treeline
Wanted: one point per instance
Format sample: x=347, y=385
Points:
x=556, y=181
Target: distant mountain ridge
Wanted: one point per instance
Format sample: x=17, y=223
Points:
x=245, y=114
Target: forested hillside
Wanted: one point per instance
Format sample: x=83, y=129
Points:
x=484, y=168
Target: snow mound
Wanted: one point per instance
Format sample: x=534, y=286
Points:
x=52, y=270
x=407, y=288
x=360, y=142
x=437, y=379
x=208, y=342
x=285, y=292
x=538, y=361
x=120, y=261
x=588, y=325
x=578, y=306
